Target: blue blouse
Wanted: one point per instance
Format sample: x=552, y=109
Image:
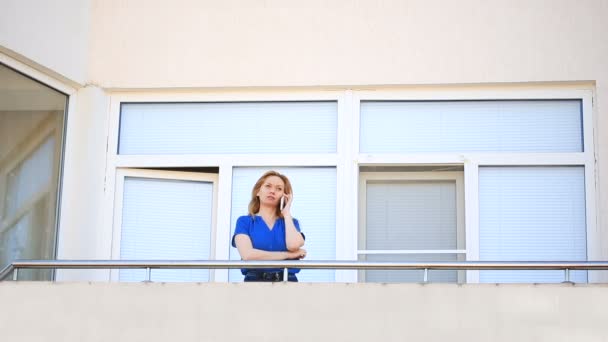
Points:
x=264, y=238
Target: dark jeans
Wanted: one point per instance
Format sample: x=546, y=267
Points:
x=268, y=276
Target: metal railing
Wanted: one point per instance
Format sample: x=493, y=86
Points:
x=149, y=265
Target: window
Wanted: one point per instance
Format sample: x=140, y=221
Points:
x=528, y=181
x=32, y=117
x=221, y=128
x=165, y=215
x=531, y=214
x=411, y=216
x=471, y=126
x=240, y=139
x=382, y=175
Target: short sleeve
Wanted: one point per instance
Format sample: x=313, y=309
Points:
x=243, y=226
x=297, y=224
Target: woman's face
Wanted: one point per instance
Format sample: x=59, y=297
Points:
x=271, y=191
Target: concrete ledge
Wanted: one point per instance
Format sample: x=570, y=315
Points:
x=40, y=311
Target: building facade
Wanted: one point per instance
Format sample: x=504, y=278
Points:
x=411, y=130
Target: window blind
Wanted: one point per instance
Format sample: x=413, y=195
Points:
x=532, y=214
x=410, y=215
x=166, y=219
x=236, y=127
x=471, y=126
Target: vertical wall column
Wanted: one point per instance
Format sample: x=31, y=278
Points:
x=84, y=232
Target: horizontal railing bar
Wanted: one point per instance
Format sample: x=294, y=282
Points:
x=411, y=251
x=310, y=264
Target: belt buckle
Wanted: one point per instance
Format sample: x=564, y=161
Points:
x=271, y=276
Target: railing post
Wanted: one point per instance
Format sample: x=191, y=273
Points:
x=148, y=274
x=426, y=275
x=15, y=274
x=566, y=275
x=285, y=274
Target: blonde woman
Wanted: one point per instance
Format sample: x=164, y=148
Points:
x=269, y=232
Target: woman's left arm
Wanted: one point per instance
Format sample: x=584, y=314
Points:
x=293, y=237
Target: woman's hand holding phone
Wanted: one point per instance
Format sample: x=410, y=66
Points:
x=285, y=202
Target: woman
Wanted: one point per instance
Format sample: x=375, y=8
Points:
x=269, y=232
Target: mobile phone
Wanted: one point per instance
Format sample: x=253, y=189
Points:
x=282, y=205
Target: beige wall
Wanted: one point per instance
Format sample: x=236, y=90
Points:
x=82, y=231
x=50, y=35
x=275, y=312
x=245, y=43
x=192, y=43
x=159, y=44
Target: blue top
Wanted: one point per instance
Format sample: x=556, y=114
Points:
x=264, y=238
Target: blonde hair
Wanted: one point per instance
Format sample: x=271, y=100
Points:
x=254, y=204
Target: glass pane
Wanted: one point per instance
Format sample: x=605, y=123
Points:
x=532, y=214
x=26, y=181
x=314, y=206
x=410, y=276
x=410, y=215
x=166, y=220
x=471, y=126
x=31, y=130
x=239, y=127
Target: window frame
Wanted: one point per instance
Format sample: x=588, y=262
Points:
x=456, y=176
x=123, y=173
x=227, y=162
x=347, y=160
x=473, y=160
x=69, y=89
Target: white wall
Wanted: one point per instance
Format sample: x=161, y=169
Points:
x=191, y=43
x=276, y=312
x=81, y=213
x=162, y=45
x=355, y=43
x=49, y=35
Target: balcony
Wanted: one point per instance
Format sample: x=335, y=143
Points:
x=150, y=311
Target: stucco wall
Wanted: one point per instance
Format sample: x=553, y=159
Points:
x=243, y=43
x=191, y=43
x=51, y=36
x=158, y=44
x=302, y=312
x=82, y=228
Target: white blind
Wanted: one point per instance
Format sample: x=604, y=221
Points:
x=314, y=206
x=166, y=219
x=532, y=214
x=410, y=215
x=471, y=126
x=239, y=127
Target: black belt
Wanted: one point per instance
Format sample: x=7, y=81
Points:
x=265, y=276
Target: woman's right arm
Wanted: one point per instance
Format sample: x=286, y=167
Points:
x=247, y=252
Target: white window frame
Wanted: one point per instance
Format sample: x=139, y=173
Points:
x=473, y=160
x=227, y=162
x=123, y=173
x=70, y=90
x=455, y=176
x=347, y=160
